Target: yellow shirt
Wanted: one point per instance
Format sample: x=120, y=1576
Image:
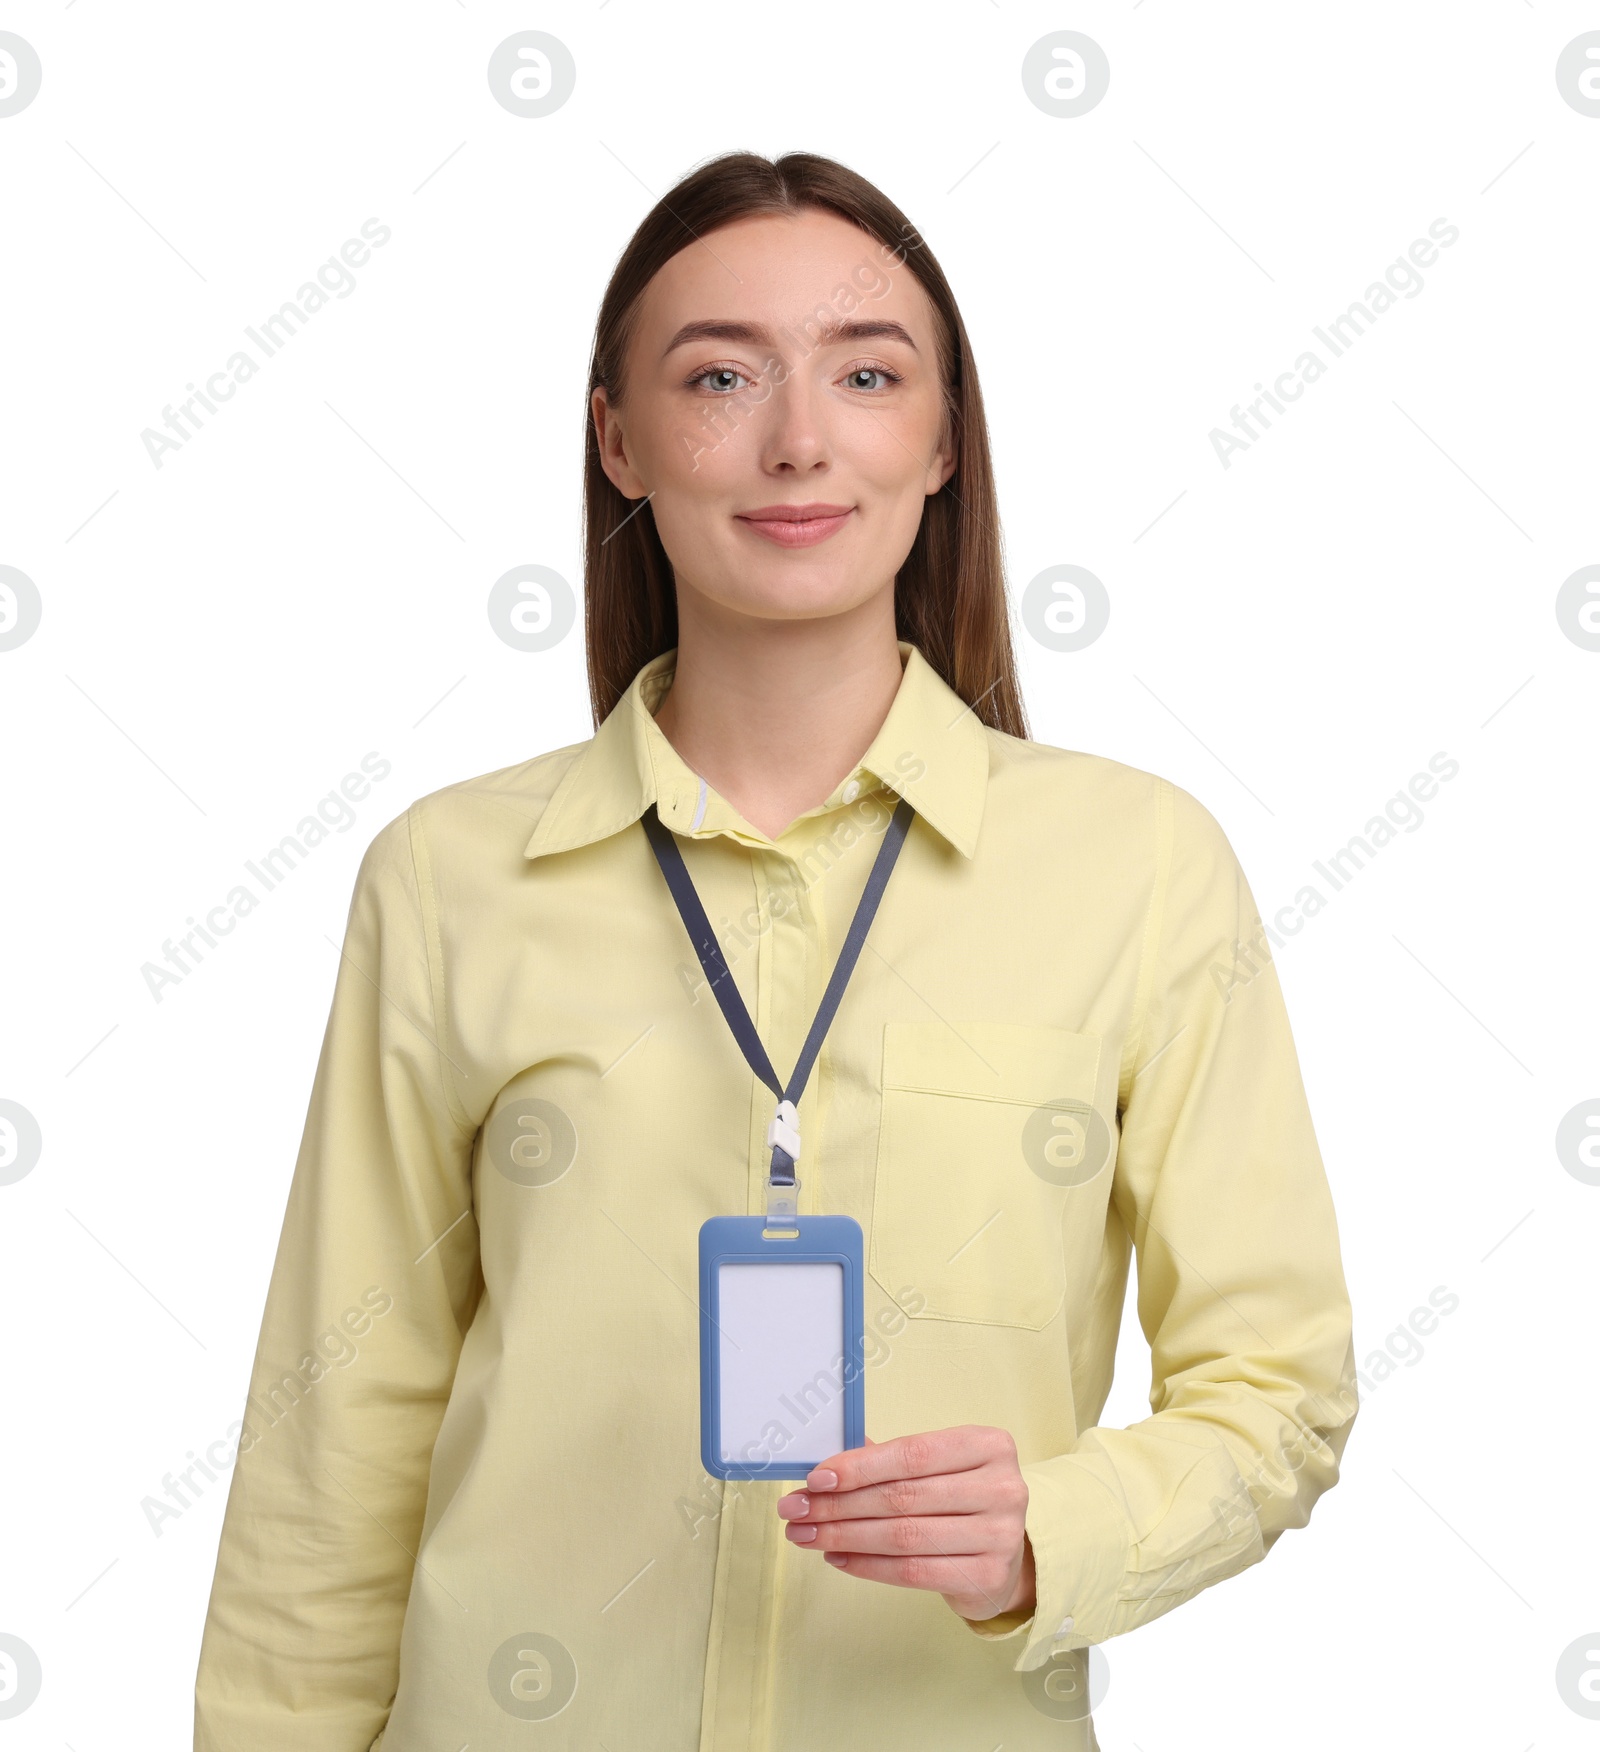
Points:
x=468, y=1493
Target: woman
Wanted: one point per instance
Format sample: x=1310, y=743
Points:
x=469, y=1492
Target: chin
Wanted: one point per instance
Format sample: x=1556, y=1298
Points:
x=793, y=590
x=794, y=599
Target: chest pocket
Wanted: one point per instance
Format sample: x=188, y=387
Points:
x=988, y=1130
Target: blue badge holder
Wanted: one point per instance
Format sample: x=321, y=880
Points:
x=781, y=1344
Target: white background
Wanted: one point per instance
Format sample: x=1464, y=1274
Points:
x=1291, y=638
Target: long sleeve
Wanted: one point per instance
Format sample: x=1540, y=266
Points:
x=1241, y=1292
x=375, y=1282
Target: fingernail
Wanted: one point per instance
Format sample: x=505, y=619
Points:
x=836, y=1558
x=822, y=1479
x=802, y=1535
x=795, y=1508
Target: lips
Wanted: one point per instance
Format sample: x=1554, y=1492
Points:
x=796, y=526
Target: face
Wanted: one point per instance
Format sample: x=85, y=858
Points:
x=782, y=405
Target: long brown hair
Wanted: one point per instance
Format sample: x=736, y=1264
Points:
x=950, y=599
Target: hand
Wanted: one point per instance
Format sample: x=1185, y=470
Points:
x=944, y=1510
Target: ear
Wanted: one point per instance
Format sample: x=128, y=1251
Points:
x=614, y=447
x=942, y=466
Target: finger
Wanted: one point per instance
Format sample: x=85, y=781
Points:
x=916, y=1456
x=945, y=1493
x=939, y=1575
x=903, y=1536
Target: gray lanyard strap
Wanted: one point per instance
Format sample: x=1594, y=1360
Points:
x=784, y=1132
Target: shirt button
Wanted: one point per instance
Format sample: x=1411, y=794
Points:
x=1066, y=1625
x=851, y=791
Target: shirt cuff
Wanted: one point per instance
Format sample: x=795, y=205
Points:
x=1082, y=1552
x=1098, y=1574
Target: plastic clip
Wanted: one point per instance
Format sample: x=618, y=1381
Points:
x=783, y=1198
x=783, y=1204
x=783, y=1131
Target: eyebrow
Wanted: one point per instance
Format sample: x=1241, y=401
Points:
x=759, y=335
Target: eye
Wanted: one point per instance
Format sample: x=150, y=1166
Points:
x=853, y=379
x=717, y=379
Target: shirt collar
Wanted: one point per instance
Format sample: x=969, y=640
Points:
x=931, y=749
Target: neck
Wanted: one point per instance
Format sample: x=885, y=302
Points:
x=774, y=714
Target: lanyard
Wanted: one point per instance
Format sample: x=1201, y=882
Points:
x=783, y=1134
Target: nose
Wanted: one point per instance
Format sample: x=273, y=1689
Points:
x=794, y=436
